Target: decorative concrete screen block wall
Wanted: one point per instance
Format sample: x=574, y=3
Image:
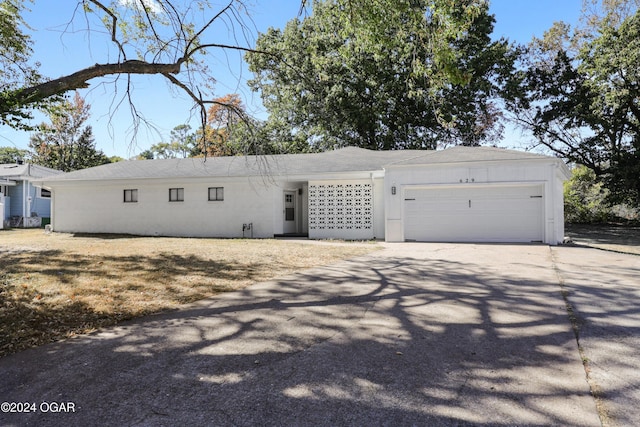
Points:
x=341, y=209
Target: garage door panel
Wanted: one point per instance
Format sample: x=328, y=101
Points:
x=483, y=214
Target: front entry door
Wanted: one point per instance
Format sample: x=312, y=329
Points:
x=290, y=212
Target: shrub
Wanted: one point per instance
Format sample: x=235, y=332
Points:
x=585, y=198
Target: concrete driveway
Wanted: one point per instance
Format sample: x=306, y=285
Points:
x=416, y=334
x=603, y=289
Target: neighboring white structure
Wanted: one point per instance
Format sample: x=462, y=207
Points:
x=474, y=194
x=22, y=204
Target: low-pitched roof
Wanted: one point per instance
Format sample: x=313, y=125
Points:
x=462, y=154
x=348, y=159
x=26, y=171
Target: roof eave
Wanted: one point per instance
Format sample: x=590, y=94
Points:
x=317, y=176
x=465, y=162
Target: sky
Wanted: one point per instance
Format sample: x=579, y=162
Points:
x=63, y=49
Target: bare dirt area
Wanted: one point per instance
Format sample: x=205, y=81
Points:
x=612, y=237
x=54, y=286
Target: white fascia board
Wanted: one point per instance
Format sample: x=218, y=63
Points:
x=377, y=174
x=127, y=181
x=267, y=179
x=543, y=160
x=327, y=176
x=563, y=169
x=40, y=184
x=37, y=182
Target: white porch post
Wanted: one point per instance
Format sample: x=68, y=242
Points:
x=24, y=199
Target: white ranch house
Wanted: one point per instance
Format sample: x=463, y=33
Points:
x=462, y=194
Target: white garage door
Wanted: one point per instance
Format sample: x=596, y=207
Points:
x=474, y=214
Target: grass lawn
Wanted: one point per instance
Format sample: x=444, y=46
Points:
x=54, y=286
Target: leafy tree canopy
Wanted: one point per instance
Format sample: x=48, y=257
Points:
x=16, y=69
x=65, y=143
x=225, y=116
x=585, y=198
x=12, y=154
x=389, y=75
x=182, y=145
x=581, y=92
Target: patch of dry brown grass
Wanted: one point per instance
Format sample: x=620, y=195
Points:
x=56, y=285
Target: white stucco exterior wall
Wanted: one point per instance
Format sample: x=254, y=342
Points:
x=378, y=207
x=100, y=208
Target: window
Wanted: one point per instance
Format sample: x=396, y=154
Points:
x=131, y=196
x=176, y=194
x=45, y=194
x=289, y=214
x=216, y=194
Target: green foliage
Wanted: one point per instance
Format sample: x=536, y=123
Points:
x=182, y=145
x=17, y=71
x=145, y=155
x=12, y=155
x=254, y=137
x=392, y=75
x=623, y=177
x=384, y=25
x=581, y=94
x=230, y=131
x=65, y=143
x=611, y=70
x=585, y=199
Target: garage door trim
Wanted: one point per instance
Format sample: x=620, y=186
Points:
x=536, y=224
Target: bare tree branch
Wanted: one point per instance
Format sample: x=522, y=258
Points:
x=194, y=39
x=167, y=38
x=114, y=26
x=80, y=79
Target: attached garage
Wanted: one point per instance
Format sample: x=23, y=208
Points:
x=495, y=213
x=475, y=194
x=461, y=194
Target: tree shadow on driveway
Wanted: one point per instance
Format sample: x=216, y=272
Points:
x=416, y=335
x=603, y=290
